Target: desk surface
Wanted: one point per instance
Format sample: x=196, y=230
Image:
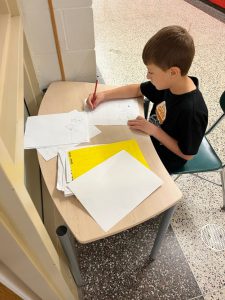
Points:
x=66, y=96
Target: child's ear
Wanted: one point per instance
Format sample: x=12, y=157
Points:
x=175, y=71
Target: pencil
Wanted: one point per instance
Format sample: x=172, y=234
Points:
x=94, y=94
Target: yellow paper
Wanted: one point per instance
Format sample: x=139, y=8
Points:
x=83, y=159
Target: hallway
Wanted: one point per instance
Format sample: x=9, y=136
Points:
x=118, y=267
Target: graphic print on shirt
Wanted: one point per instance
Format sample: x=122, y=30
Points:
x=160, y=116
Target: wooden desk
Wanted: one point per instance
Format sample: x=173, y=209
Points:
x=66, y=96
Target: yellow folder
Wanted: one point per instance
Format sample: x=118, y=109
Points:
x=83, y=159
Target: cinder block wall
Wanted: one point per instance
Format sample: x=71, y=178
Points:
x=74, y=19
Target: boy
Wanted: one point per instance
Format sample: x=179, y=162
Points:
x=179, y=116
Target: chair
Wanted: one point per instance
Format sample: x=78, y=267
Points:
x=206, y=160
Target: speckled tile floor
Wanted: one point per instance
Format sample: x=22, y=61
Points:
x=118, y=267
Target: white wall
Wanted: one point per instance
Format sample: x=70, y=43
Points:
x=74, y=19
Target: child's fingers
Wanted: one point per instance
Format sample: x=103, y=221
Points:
x=134, y=122
x=89, y=101
x=140, y=118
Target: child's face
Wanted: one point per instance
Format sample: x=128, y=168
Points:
x=160, y=79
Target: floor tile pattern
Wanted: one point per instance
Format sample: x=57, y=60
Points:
x=118, y=267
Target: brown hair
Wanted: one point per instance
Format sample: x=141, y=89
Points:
x=172, y=46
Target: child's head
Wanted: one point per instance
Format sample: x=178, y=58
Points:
x=172, y=46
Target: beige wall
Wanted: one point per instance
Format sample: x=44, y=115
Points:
x=74, y=19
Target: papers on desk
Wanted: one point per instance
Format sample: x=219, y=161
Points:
x=56, y=129
x=115, y=112
x=63, y=174
x=108, y=180
x=50, y=152
x=73, y=163
x=83, y=159
x=53, y=133
x=114, y=188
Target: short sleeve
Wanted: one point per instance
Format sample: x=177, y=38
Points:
x=149, y=91
x=191, y=131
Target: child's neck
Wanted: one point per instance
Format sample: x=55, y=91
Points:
x=183, y=85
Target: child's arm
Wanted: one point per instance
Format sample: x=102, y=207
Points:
x=123, y=92
x=158, y=133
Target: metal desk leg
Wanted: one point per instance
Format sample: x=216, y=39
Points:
x=63, y=234
x=165, y=222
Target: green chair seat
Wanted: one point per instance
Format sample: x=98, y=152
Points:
x=204, y=161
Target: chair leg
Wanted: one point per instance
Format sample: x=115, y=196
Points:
x=222, y=174
x=178, y=176
x=213, y=182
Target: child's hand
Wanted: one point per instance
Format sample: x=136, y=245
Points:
x=143, y=125
x=93, y=103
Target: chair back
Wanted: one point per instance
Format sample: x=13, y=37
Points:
x=222, y=101
x=222, y=105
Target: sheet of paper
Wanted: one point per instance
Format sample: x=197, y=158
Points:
x=83, y=159
x=56, y=129
x=68, y=172
x=64, y=158
x=50, y=152
x=114, y=188
x=60, y=171
x=61, y=175
x=116, y=112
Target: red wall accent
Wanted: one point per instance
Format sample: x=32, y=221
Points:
x=219, y=2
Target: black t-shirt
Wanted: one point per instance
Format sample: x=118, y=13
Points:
x=184, y=117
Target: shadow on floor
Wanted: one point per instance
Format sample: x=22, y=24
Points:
x=118, y=267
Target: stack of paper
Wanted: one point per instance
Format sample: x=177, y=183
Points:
x=50, y=152
x=50, y=134
x=56, y=129
x=114, y=188
x=107, y=181
x=74, y=162
x=63, y=174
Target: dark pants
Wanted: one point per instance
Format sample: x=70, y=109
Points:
x=171, y=161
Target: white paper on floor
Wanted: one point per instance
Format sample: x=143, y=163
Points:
x=213, y=237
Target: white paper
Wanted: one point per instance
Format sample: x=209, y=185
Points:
x=68, y=172
x=114, y=188
x=66, y=166
x=115, y=112
x=62, y=181
x=56, y=129
x=60, y=171
x=50, y=152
